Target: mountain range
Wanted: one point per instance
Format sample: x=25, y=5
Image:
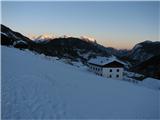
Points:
x=143, y=58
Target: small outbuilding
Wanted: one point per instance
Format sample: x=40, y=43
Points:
x=107, y=67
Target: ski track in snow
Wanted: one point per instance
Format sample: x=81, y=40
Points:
x=25, y=97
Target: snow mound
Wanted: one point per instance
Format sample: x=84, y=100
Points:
x=151, y=83
x=36, y=88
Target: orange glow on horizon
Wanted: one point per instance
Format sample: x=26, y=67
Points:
x=114, y=43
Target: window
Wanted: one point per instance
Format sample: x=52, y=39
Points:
x=117, y=76
x=110, y=76
x=110, y=70
x=117, y=70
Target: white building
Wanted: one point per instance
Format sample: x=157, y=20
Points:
x=107, y=67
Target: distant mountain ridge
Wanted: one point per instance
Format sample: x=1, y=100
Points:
x=43, y=37
x=62, y=47
x=145, y=50
x=81, y=49
x=150, y=67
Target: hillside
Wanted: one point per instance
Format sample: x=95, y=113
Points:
x=34, y=87
x=150, y=67
x=69, y=47
x=83, y=49
x=145, y=50
x=15, y=39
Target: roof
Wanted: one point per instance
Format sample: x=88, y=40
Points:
x=106, y=61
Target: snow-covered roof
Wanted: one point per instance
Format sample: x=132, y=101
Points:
x=104, y=60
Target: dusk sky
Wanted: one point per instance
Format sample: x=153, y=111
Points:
x=112, y=24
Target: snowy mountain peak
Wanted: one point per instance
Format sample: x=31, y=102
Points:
x=88, y=38
x=43, y=37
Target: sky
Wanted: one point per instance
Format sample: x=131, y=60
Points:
x=113, y=24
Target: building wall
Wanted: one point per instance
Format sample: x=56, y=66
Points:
x=116, y=73
x=96, y=69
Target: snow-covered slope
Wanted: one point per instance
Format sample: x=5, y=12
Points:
x=33, y=87
x=151, y=83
